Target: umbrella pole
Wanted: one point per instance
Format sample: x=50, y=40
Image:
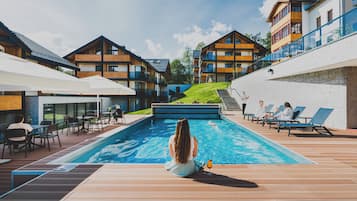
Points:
x=97, y=105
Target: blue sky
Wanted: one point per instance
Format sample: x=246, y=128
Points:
x=150, y=28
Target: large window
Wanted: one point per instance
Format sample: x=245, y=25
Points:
x=98, y=68
x=48, y=112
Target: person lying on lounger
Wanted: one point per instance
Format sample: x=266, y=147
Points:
x=260, y=113
x=183, y=149
x=286, y=114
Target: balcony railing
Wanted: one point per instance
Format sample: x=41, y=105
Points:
x=138, y=76
x=209, y=57
x=340, y=27
x=208, y=69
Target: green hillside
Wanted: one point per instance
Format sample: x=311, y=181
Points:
x=202, y=93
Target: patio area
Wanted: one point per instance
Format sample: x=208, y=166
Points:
x=18, y=160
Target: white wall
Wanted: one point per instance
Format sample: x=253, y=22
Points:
x=309, y=17
x=260, y=84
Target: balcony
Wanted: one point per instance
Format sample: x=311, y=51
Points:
x=87, y=58
x=81, y=74
x=244, y=58
x=138, y=76
x=245, y=46
x=224, y=70
x=116, y=75
x=291, y=17
x=116, y=58
x=329, y=36
x=225, y=58
x=224, y=45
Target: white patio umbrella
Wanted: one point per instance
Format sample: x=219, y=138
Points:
x=17, y=74
x=102, y=86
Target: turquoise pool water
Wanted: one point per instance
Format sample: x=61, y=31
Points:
x=223, y=141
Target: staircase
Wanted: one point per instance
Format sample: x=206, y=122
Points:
x=229, y=103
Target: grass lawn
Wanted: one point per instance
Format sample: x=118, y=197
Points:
x=202, y=93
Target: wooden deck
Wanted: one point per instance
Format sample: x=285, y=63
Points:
x=37, y=160
x=334, y=177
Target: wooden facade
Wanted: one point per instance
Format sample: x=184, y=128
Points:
x=226, y=58
x=286, y=23
x=104, y=57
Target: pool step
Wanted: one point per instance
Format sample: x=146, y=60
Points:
x=189, y=111
x=227, y=100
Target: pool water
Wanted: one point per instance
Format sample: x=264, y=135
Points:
x=223, y=141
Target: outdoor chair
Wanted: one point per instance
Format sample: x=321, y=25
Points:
x=252, y=115
x=16, y=137
x=50, y=132
x=268, y=109
x=296, y=114
x=118, y=113
x=96, y=124
x=316, y=123
x=71, y=124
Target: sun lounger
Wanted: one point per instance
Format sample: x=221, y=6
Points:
x=296, y=114
x=316, y=123
x=268, y=109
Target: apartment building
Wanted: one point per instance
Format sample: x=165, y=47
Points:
x=286, y=23
x=106, y=58
x=226, y=58
x=35, y=105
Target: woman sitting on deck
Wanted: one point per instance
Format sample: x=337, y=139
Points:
x=183, y=148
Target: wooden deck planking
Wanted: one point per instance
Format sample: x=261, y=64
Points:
x=333, y=177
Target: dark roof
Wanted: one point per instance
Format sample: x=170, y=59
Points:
x=243, y=36
x=160, y=65
x=41, y=53
x=196, y=54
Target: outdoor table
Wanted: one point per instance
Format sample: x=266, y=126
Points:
x=84, y=119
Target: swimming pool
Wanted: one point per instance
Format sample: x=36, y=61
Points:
x=223, y=141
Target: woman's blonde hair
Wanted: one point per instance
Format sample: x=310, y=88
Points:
x=182, y=141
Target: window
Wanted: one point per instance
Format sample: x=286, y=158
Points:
x=113, y=68
x=237, y=41
x=296, y=7
x=228, y=54
x=318, y=22
x=228, y=65
x=113, y=50
x=238, y=53
x=329, y=15
x=98, y=68
x=228, y=41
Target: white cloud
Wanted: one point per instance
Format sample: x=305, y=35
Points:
x=266, y=7
x=196, y=34
x=154, y=49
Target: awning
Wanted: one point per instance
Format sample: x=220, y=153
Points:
x=102, y=86
x=17, y=74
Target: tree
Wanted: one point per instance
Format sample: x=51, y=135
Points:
x=178, y=72
x=266, y=41
x=200, y=45
x=186, y=60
